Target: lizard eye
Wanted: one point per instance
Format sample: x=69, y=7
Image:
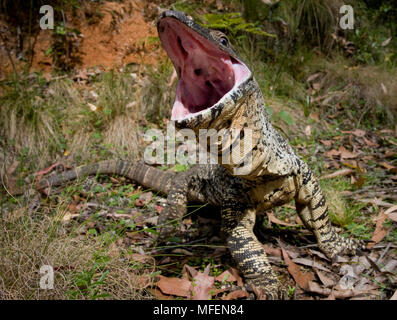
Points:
x=224, y=41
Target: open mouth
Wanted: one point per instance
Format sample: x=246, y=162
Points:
x=206, y=73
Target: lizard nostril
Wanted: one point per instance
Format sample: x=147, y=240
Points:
x=197, y=72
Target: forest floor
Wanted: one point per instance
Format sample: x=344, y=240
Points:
x=99, y=233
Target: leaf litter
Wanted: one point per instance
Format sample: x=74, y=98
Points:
x=309, y=271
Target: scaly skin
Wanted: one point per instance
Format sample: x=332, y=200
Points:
x=275, y=177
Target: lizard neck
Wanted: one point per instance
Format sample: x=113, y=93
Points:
x=250, y=147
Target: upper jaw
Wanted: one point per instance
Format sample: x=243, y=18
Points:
x=208, y=74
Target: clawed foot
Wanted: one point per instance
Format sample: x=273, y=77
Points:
x=267, y=289
x=342, y=245
x=169, y=219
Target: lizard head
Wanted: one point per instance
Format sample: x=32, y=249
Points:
x=212, y=78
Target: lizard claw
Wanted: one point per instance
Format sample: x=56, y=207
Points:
x=168, y=219
x=267, y=289
x=165, y=231
x=343, y=245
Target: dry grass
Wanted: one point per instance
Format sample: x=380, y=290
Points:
x=39, y=121
x=122, y=132
x=31, y=240
x=368, y=91
x=337, y=207
x=157, y=93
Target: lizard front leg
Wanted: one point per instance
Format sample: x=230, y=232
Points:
x=176, y=206
x=248, y=252
x=313, y=211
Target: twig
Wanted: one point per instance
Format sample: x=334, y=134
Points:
x=377, y=194
x=58, y=78
x=338, y=173
x=377, y=202
x=383, y=253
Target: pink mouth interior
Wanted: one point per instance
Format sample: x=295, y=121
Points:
x=206, y=73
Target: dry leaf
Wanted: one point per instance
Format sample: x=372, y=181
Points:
x=319, y=254
x=389, y=167
x=327, y=143
x=390, y=154
x=370, y=143
x=391, y=213
x=144, y=198
x=327, y=281
x=273, y=219
x=315, y=287
x=158, y=295
x=359, y=133
x=310, y=263
x=349, y=277
x=394, y=296
x=188, y=272
x=339, y=294
x=175, y=286
x=201, y=285
x=237, y=276
x=302, y=279
x=332, y=153
x=235, y=295
x=346, y=154
x=380, y=231
x=271, y=251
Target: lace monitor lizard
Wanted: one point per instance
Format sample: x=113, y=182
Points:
x=216, y=90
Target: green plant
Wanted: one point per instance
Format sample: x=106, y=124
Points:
x=233, y=23
x=291, y=291
x=88, y=285
x=30, y=118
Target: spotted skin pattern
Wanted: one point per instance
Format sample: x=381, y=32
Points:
x=274, y=176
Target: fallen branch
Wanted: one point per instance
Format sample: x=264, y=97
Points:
x=338, y=173
x=377, y=202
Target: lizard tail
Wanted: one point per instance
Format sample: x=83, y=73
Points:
x=147, y=176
